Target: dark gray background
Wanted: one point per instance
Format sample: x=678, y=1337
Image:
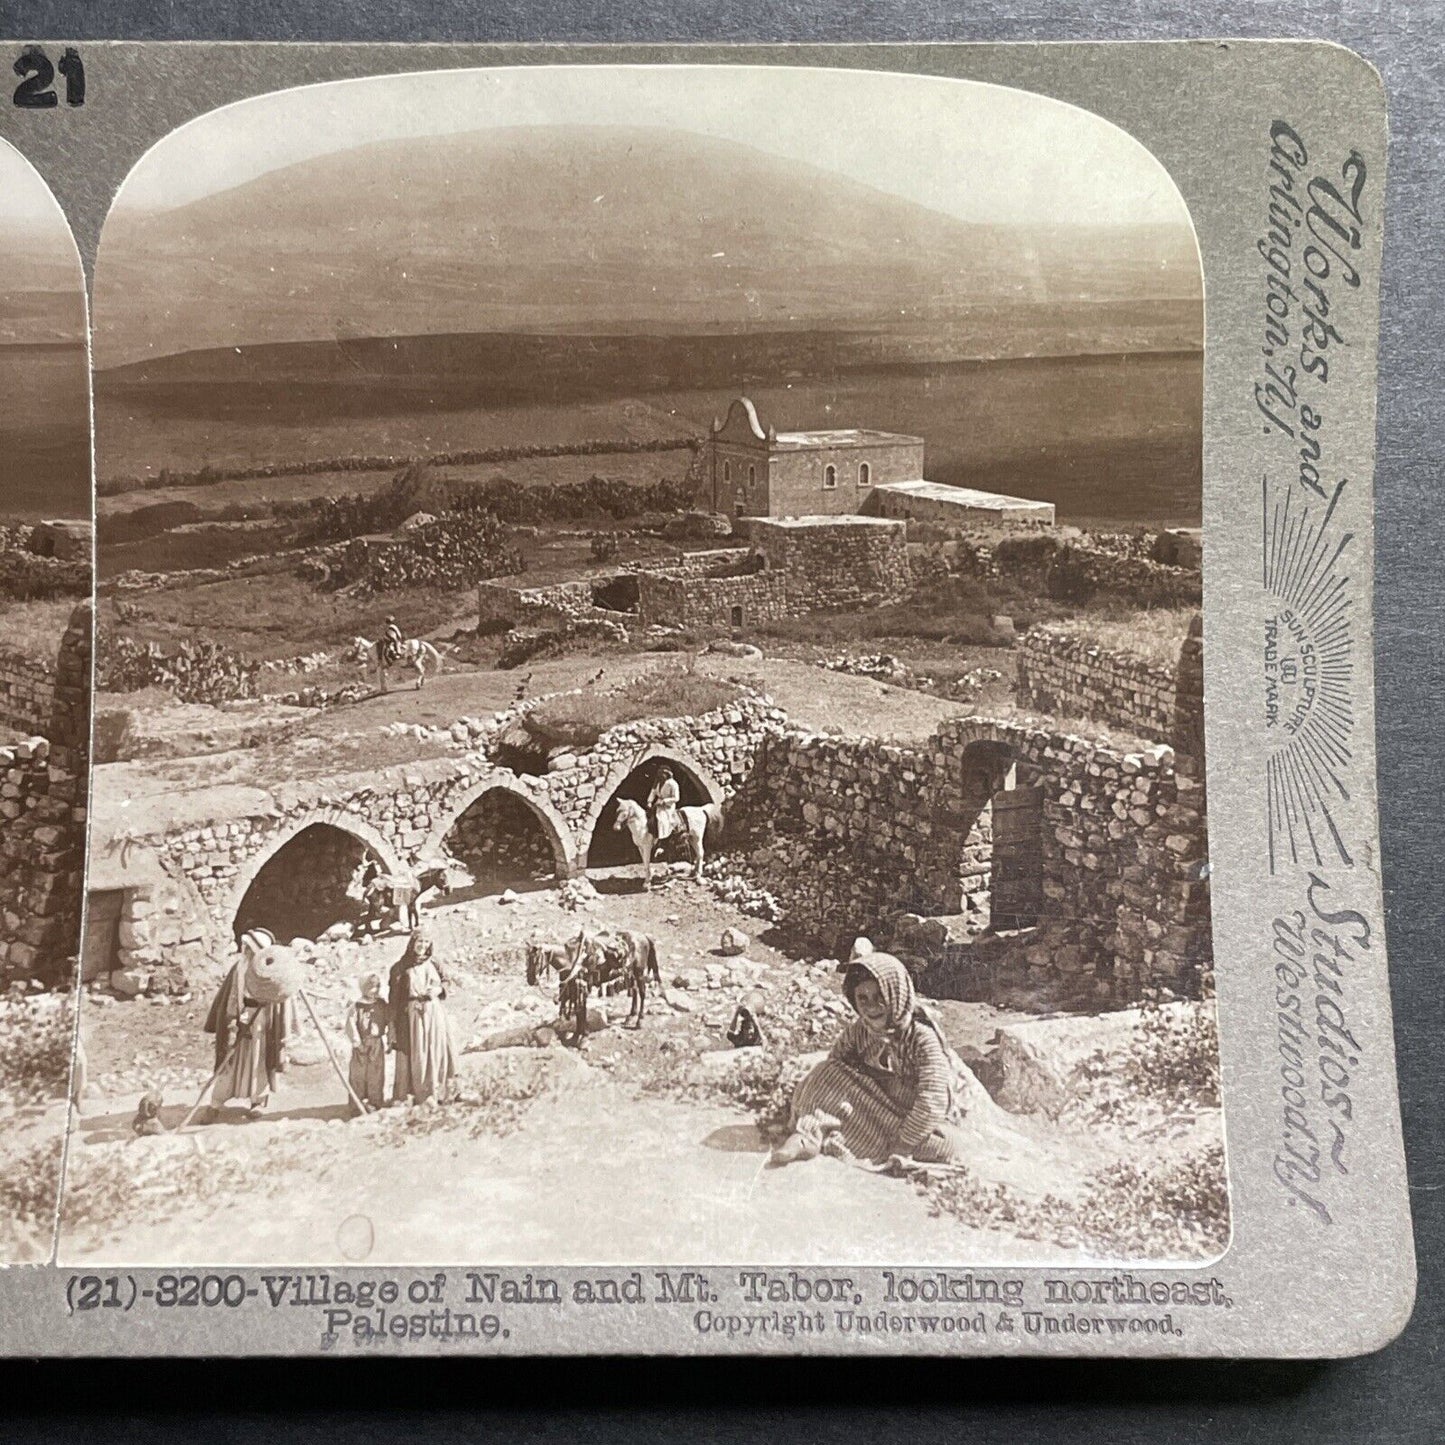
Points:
x=1395, y=1395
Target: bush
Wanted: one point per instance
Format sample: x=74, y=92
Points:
x=1175, y=1057
x=457, y=550
x=195, y=672
x=335, y=519
x=1131, y=1212
x=605, y=546
x=34, y=1046
x=29, y=1187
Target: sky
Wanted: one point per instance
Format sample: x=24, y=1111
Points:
x=25, y=199
x=979, y=152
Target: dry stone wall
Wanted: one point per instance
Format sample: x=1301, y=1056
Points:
x=43, y=785
x=836, y=563
x=701, y=601
x=861, y=835
x=182, y=917
x=1065, y=674
x=27, y=691
x=500, y=604
x=1070, y=676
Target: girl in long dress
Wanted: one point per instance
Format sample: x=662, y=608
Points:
x=431, y=1060
x=251, y=1033
x=891, y=1085
x=367, y=1023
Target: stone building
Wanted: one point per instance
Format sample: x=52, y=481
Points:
x=750, y=471
x=66, y=541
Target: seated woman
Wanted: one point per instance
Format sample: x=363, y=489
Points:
x=890, y=1085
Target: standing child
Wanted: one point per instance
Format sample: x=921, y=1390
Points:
x=366, y=1028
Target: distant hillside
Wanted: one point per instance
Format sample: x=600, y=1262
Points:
x=590, y=229
x=41, y=296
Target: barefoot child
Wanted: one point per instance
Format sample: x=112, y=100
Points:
x=904, y=1089
x=366, y=1028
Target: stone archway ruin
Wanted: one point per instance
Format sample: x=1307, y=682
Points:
x=504, y=837
x=300, y=885
x=604, y=846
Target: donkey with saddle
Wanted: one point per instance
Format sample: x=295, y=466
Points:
x=597, y=961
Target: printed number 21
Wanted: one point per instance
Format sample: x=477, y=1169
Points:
x=34, y=91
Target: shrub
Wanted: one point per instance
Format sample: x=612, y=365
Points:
x=1128, y=1211
x=457, y=550
x=1175, y=1055
x=605, y=546
x=34, y=1046
x=29, y=1186
x=195, y=672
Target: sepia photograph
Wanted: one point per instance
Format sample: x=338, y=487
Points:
x=649, y=679
x=45, y=653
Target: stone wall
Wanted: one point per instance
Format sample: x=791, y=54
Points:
x=1066, y=674
x=1070, y=676
x=709, y=563
x=1187, y=736
x=42, y=841
x=501, y=604
x=27, y=691
x=701, y=601
x=185, y=886
x=834, y=563
x=861, y=836
x=1080, y=568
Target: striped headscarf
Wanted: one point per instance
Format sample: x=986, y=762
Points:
x=894, y=983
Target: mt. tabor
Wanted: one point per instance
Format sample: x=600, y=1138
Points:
x=587, y=229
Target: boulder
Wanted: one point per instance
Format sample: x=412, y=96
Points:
x=129, y=982
x=734, y=941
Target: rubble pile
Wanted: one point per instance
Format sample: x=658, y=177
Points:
x=732, y=886
x=885, y=667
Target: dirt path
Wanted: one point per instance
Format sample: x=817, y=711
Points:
x=604, y=1163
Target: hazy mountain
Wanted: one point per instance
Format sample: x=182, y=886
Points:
x=41, y=301
x=589, y=229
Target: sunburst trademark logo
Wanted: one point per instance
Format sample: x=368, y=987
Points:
x=1291, y=673
x=1307, y=673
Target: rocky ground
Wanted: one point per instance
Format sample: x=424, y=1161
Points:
x=642, y=1144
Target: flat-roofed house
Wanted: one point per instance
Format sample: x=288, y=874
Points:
x=753, y=471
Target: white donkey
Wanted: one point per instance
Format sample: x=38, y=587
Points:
x=701, y=825
x=414, y=652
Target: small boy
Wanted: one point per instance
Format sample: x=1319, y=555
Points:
x=366, y=1029
x=147, y=1122
x=745, y=1032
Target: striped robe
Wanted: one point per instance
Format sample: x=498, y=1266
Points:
x=900, y=1084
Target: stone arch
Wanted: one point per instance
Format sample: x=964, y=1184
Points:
x=326, y=827
x=550, y=822
x=692, y=775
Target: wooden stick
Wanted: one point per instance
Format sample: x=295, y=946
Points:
x=326, y=1044
x=206, y=1088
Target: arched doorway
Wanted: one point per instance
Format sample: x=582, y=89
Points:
x=610, y=847
x=1001, y=872
x=504, y=840
x=304, y=886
